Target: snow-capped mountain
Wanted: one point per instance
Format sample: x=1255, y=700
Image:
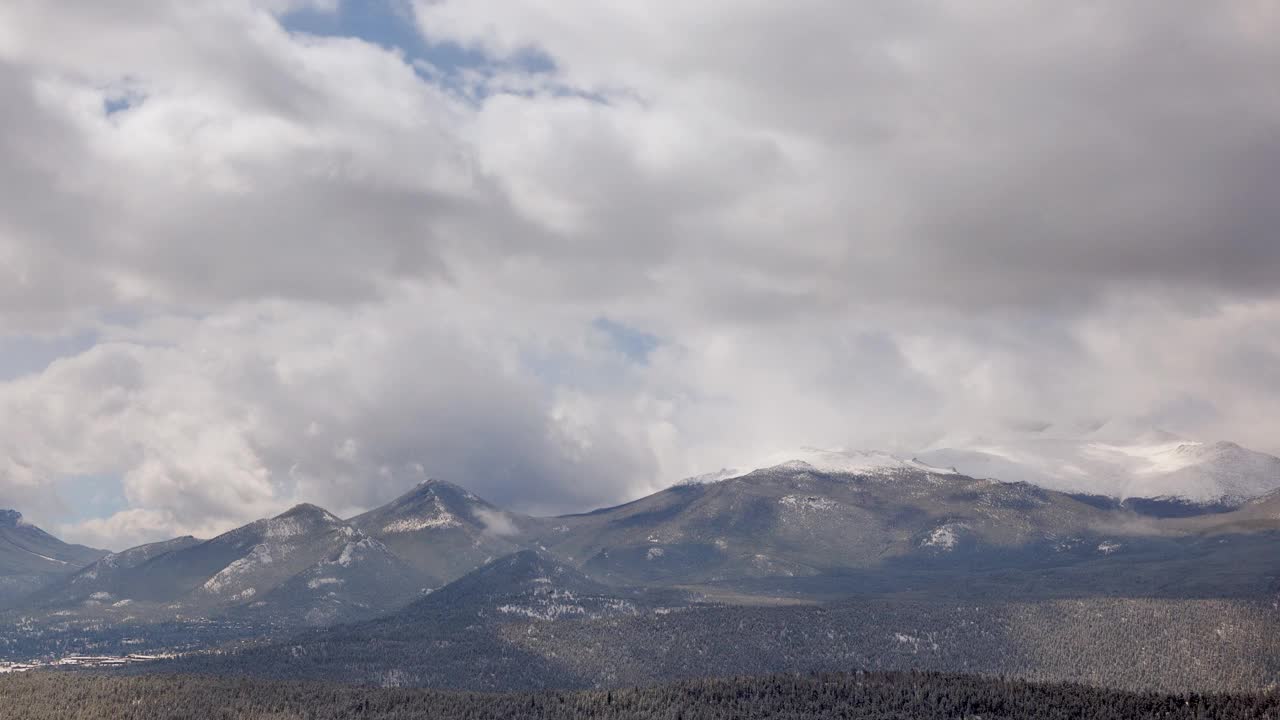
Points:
x=1114, y=460
x=271, y=551
x=442, y=530
x=1155, y=465
x=304, y=566
x=186, y=574
x=828, y=512
x=827, y=461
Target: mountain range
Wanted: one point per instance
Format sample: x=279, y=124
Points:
x=442, y=568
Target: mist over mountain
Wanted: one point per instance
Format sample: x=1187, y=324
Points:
x=1118, y=459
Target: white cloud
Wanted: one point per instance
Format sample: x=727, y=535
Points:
x=316, y=274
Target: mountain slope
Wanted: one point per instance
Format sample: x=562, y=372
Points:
x=187, y=577
x=453, y=637
x=239, y=564
x=795, y=519
x=441, y=530
x=111, y=576
x=30, y=557
x=526, y=584
x=1141, y=644
x=1260, y=515
x=359, y=581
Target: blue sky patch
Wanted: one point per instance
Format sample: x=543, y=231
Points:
x=113, y=105
x=635, y=344
x=390, y=24
x=92, y=496
x=23, y=355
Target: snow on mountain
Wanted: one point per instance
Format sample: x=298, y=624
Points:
x=234, y=567
x=274, y=549
x=831, y=461
x=359, y=580
x=441, y=530
x=527, y=585
x=1215, y=471
x=1149, y=465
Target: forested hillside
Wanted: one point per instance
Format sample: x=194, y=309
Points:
x=1132, y=644
x=862, y=696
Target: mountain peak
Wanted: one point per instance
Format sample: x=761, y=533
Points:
x=431, y=504
x=432, y=486
x=300, y=519
x=307, y=511
x=10, y=518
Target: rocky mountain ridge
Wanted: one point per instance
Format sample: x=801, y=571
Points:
x=818, y=528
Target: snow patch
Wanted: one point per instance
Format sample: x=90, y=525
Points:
x=944, y=537
x=260, y=555
x=434, y=517
x=284, y=528
x=807, y=504
x=554, y=610
x=45, y=557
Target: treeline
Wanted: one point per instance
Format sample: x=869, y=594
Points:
x=860, y=696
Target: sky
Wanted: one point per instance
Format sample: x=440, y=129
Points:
x=260, y=252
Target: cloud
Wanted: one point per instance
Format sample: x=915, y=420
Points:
x=127, y=528
x=496, y=522
x=315, y=268
x=981, y=154
x=248, y=412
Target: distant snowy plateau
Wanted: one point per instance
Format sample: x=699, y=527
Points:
x=1152, y=465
